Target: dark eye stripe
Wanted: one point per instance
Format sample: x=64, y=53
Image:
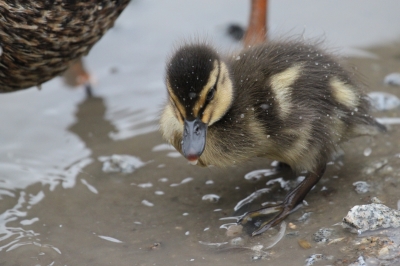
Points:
x=210, y=94
x=212, y=90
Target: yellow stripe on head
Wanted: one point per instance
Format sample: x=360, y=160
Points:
x=201, y=102
x=176, y=104
x=222, y=100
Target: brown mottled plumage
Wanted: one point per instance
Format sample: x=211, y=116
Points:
x=39, y=39
x=286, y=101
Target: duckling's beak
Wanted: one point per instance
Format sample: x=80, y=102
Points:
x=194, y=139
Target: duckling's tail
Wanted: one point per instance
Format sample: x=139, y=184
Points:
x=371, y=127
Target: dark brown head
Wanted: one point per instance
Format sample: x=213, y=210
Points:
x=200, y=91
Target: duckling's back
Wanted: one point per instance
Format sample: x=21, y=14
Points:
x=305, y=100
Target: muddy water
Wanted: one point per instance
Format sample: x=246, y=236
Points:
x=60, y=207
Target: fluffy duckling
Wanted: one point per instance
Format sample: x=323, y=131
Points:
x=40, y=38
x=286, y=101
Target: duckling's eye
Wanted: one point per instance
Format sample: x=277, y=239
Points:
x=210, y=94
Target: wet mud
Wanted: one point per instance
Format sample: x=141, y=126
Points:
x=59, y=206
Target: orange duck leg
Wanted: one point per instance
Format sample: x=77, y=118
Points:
x=77, y=75
x=257, y=28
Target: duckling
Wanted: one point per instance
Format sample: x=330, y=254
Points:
x=39, y=39
x=287, y=101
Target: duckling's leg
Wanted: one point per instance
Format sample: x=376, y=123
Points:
x=292, y=199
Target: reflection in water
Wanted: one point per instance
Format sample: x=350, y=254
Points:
x=34, y=162
x=10, y=236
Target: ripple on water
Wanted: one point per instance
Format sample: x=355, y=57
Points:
x=211, y=198
x=89, y=186
x=39, y=155
x=125, y=164
x=30, y=221
x=283, y=183
x=184, y=181
x=383, y=101
x=258, y=174
x=174, y=154
x=145, y=185
x=111, y=239
x=163, y=147
x=251, y=198
x=147, y=203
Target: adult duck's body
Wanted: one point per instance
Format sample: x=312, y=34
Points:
x=286, y=101
x=39, y=39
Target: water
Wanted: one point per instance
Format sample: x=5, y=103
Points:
x=59, y=207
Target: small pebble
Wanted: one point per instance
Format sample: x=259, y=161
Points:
x=372, y=216
x=294, y=233
x=383, y=251
x=367, y=152
x=147, y=203
x=292, y=226
x=234, y=230
x=304, y=243
x=376, y=200
x=314, y=258
x=304, y=217
x=211, y=197
x=336, y=240
x=323, y=235
x=155, y=246
x=237, y=241
x=256, y=257
x=392, y=79
x=360, y=262
x=361, y=187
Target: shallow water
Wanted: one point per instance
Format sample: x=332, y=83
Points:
x=59, y=206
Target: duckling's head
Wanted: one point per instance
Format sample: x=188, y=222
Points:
x=200, y=92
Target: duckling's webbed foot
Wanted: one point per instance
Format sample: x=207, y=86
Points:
x=283, y=209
